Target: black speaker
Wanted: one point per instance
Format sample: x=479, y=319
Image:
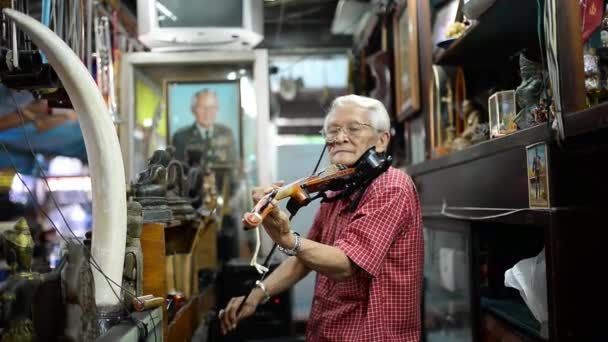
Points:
x=272, y=319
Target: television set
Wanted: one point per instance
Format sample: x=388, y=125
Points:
x=173, y=25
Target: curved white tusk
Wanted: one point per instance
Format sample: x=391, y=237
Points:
x=103, y=151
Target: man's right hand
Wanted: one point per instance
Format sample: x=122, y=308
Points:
x=228, y=317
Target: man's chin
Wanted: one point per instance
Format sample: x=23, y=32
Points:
x=342, y=160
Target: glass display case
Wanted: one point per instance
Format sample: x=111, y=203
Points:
x=447, y=280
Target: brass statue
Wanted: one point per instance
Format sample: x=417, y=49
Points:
x=150, y=188
x=177, y=192
x=18, y=291
x=133, y=266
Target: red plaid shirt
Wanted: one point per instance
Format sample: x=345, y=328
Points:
x=383, y=237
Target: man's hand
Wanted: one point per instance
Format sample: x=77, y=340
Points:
x=228, y=317
x=276, y=223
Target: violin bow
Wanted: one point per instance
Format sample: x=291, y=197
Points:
x=274, y=245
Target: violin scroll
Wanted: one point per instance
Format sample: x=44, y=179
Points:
x=255, y=217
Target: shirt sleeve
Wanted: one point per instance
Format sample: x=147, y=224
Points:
x=374, y=228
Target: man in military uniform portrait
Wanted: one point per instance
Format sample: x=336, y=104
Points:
x=205, y=138
x=210, y=145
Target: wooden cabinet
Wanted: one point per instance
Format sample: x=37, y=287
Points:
x=174, y=253
x=480, y=196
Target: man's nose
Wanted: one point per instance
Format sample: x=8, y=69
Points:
x=341, y=136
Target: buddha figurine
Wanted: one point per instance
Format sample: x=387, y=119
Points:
x=152, y=181
x=150, y=188
x=133, y=265
x=529, y=91
x=177, y=192
x=17, y=293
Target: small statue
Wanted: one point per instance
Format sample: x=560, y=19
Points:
x=209, y=193
x=150, y=189
x=177, y=192
x=604, y=38
x=481, y=133
x=592, y=74
x=471, y=116
x=133, y=266
x=17, y=293
x=528, y=93
x=79, y=293
x=152, y=182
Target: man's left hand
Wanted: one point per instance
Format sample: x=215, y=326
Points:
x=276, y=224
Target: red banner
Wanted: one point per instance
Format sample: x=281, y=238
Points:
x=592, y=12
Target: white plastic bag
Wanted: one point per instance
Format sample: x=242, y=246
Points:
x=529, y=277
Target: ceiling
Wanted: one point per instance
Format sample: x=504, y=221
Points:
x=292, y=24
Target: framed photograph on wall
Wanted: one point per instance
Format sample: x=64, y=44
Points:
x=537, y=161
x=407, y=76
x=204, y=120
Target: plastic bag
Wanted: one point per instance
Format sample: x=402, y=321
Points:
x=529, y=277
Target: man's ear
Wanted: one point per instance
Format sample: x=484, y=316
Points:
x=382, y=143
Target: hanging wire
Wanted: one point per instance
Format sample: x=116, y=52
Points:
x=87, y=250
x=446, y=211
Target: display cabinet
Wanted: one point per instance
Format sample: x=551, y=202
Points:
x=491, y=203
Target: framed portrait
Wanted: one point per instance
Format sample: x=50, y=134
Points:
x=407, y=77
x=537, y=162
x=204, y=117
x=441, y=112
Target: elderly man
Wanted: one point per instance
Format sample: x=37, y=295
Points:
x=214, y=140
x=368, y=262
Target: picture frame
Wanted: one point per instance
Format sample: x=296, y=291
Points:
x=406, y=57
x=441, y=111
x=179, y=96
x=537, y=173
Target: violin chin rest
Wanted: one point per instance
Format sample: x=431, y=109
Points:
x=252, y=220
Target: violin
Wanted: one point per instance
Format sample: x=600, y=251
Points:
x=333, y=178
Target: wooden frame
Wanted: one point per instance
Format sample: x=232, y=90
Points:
x=213, y=85
x=405, y=47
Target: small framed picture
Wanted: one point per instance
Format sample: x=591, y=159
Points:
x=407, y=83
x=537, y=161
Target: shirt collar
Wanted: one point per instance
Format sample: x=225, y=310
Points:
x=202, y=130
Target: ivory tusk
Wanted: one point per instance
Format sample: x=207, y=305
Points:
x=103, y=151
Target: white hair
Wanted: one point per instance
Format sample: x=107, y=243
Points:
x=378, y=116
x=201, y=93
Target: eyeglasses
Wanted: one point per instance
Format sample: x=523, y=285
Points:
x=353, y=129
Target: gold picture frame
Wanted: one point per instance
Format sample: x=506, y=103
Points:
x=406, y=56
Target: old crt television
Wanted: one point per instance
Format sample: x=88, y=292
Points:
x=200, y=24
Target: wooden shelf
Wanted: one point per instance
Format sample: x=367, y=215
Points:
x=504, y=29
x=586, y=121
x=520, y=138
